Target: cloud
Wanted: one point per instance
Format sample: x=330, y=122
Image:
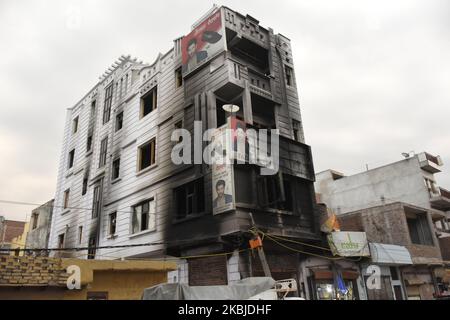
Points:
x=373, y=76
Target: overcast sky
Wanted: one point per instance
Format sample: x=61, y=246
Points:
x=373, y=76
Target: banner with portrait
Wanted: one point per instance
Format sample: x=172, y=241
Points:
x=222, y=171
x=203, y=42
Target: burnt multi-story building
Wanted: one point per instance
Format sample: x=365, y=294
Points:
x=117, y=183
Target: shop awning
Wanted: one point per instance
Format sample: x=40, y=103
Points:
x=323, y=274
x=389, y=254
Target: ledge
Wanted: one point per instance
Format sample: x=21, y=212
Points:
x=146, y=170
x=116, y=180
x=141, y=233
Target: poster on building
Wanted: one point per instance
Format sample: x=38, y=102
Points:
x=349, y=244
x=203, y=42
x=222, y=172
x=239, y=140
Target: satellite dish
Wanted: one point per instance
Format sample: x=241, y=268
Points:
x=232, y=108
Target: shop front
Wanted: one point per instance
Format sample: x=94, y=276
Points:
x=419, y=282
x=333, y=285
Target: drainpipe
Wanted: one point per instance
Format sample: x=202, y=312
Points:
x=363, y=281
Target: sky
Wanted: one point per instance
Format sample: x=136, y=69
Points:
x=373, y=76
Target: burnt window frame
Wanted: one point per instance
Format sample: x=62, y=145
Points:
x=112, y=224
x=71, y=159
x=66, y=198
x=103, y=155
x=96, y=201
x=289, y=76
x=61, y=240
x=109, y=91
x=80, y=234
x=84, y=186
x=152, y=157
x=89, y=141
x=92, y=247
x=119, y=121
x=143, y=112
x=196, y=195
x=75, y=123
x=419, y=230
x=149, y=204
x=34, y=220
x=115, y=175
x=178, y=78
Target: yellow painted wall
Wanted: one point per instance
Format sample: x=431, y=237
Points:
x=120, y=285
x=19, y=242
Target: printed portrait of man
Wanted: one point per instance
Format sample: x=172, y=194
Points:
x=222, y=198
x=194, y=56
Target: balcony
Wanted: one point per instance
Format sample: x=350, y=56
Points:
x=441, y=200
x=429, y=163
x=246, y=27
x=259, y=84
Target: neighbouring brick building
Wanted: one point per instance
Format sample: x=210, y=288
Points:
x=411, y=180
x=118, y=185
x=39, y=229
x=401, y=204
x=404, y=225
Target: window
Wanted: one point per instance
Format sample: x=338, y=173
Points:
x=34, y=220
x=189, y=199
x=288, y=72
x=121, y=88
x=119, y=121
x=273, y=191
x=85, y=185
x=75, y=125
x=89, y=143
x=285, y=192
x=116, y=169
x=296, y=130
x=71, y=158
x=147, y=156
x=61, y=241
x=103, y=152
x=92, y=247
x=108, y=103
x=144, y=217
x=394, y=273
x=419, y=230
x=96, y=202
x=126, y=83
x=112, y=223
x=178, y=78
x=66, y=199
x=148, y=102
x=93, y=103
x=80, y=234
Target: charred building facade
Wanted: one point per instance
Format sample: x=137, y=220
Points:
x=118, y=185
